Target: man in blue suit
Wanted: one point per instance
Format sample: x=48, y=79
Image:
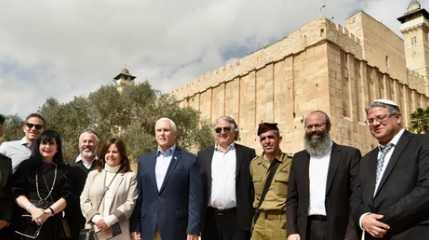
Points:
x=170, y=200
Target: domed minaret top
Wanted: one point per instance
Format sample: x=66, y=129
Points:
x=125, y=74
x=124, y=79
x=414, y=6
x=414, y=10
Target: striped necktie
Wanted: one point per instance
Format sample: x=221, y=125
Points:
x=383, y=150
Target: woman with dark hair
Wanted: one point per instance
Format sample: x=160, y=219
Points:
x=41, y=189
x=108, y=198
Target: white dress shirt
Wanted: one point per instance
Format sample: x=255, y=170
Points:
x=17, y=151
x=223, y=178
x=389, y=153
x=85, y=163
x=163, y=160
x=318, y=177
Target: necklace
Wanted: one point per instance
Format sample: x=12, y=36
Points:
x=52, y=187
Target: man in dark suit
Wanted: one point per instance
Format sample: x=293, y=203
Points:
x=169, y=202
x=227, y=192
x=394, y=178
x=6, y=202
x=78, y=172
x=322, y=182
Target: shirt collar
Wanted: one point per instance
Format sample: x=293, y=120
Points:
x=24, y=141
x=79, y=158
x=167, y=152
x=279, y=157
x=229, y=148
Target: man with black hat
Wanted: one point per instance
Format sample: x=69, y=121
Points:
x=270, y=173
x=323, y=184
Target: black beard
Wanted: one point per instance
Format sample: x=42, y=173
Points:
x=317, y=146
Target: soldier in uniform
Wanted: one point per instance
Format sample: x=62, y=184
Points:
x=270, y=171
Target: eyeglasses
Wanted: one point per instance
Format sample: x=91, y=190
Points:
x=36, y=126
x=224, y=129
x=381, y=119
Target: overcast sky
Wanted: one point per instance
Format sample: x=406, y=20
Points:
x=61, y=49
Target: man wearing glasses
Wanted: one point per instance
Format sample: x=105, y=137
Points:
x=394, y=178
x=227, y=194
x=323, y=184
x=20, y=150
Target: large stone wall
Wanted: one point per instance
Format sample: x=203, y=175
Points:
x=320, y=66
x=381, y=47
x=353, y=84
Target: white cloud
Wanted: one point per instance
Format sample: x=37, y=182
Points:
x=65, y=48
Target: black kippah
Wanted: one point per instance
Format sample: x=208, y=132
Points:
x=264, y=127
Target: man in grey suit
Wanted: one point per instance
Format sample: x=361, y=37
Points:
x=170, y=200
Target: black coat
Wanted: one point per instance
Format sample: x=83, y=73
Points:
x=24, y=183
x=77, y=173
x=6, y=202
x=342, y=183
x=403, y=194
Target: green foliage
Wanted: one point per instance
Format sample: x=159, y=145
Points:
x=420, y=120
x=130, y=115
x=13, y=128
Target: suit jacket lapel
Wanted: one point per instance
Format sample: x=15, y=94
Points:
x=238, y=154
x=402, y=143
x=208, y=166
x=333, y=164
x=371, y=172
x=171, y=167
x=306, y=174
x=151, y=167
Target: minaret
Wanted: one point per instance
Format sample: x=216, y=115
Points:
x=124, y=79
x=415, y=28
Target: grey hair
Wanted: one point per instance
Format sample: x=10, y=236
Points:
x=171, y=122
x=231, y=121
x=393, y=110
x=90, y=131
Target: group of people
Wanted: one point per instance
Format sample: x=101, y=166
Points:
x=327, y=191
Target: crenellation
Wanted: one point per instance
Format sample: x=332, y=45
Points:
x=322, y=65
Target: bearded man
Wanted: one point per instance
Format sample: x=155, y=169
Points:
x=79, y=170
x=322, y=185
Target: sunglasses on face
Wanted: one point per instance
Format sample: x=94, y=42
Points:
x=36, y=126
x=224, y=129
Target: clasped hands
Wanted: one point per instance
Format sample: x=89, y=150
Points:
x=373, y=225
x=39, y=215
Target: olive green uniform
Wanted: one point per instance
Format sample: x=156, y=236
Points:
x=271, y=224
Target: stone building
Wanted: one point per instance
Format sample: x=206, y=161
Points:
x=322, y=65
